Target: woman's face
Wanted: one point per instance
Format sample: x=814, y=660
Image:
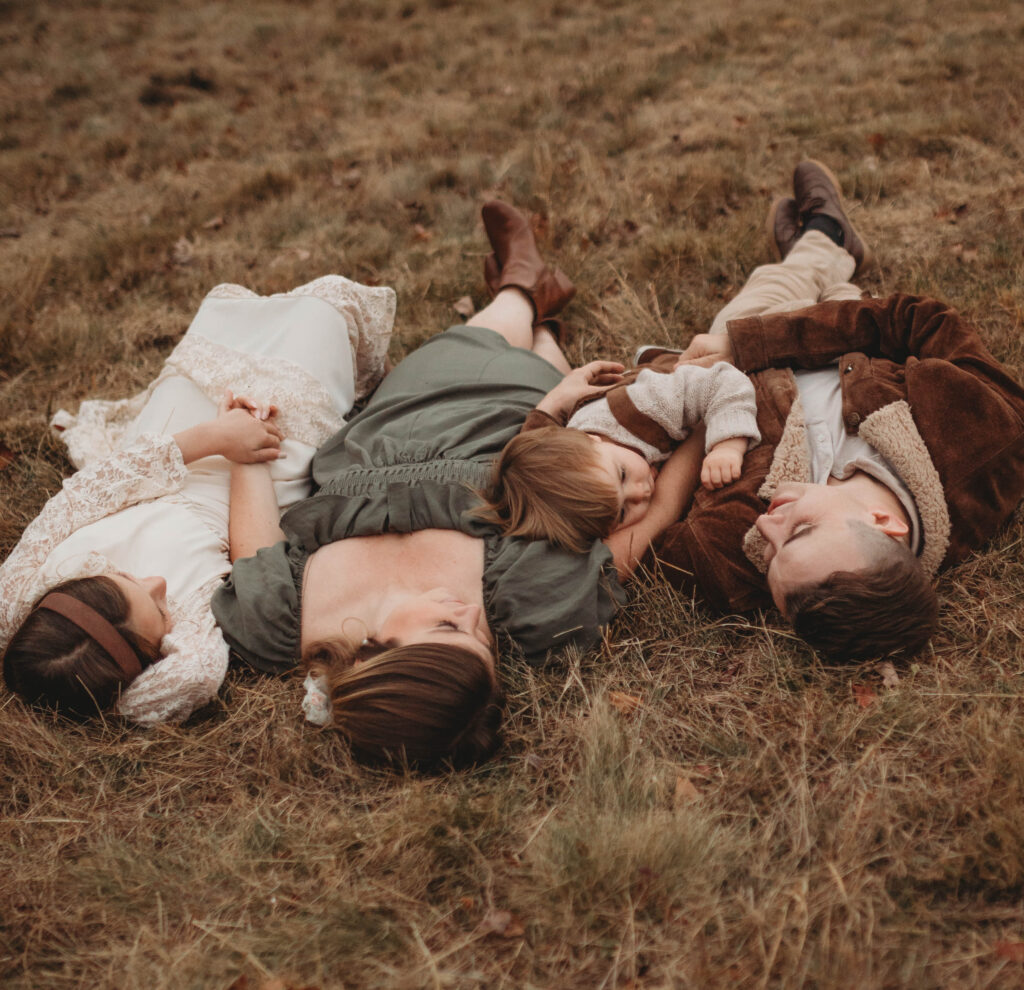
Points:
x=437, y=616
x=147, y=605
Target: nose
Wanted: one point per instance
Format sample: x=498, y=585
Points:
x=641, y=491
x=769, y=526
x=468, y=614
x=156, y=587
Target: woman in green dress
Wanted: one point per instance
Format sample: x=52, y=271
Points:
x=387, y=581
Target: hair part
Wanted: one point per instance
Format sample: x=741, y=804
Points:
x=547, y=484
x=889, y=606
x=54, y=663
x=421, y=704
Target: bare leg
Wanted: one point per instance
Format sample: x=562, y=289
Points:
x=545, y=346
x=510, y=313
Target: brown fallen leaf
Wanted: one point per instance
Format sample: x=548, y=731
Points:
x=464, y=307
x=214, y=223
x=467, y=903
x=890, y=678
x=965, y=254
x=864, y=694
x=624, y=704
x=1014, y=951
x=685, y=793
x=7, y=456
x=502, y=923
x=420, y=233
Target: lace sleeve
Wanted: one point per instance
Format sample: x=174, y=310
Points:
x=150, y=467
x=195, y=660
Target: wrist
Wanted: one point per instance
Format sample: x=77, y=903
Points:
x=198, y=441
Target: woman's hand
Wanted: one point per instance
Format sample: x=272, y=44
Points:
x=247, y=434
x=243, y=432
x=591, y=379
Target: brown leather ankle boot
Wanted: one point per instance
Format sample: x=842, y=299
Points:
x=516, y=262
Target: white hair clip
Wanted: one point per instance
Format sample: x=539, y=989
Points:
x=315, y=705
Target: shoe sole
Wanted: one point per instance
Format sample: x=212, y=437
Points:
x=868, y=257
x=769, y=228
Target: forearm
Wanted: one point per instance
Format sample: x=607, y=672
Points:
x=202, y=440
x=895, y=328
x=253, y=519
x=677, y=480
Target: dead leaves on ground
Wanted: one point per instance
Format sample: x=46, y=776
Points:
x=464, y=307
x=504, y=924
x=864, y=693
x=7, y=456
x=1012, y=951
x=625, y=704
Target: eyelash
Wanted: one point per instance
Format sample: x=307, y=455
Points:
x=446, y=624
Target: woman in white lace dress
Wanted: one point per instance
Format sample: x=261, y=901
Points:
x=135, y=508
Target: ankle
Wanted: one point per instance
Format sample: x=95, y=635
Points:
x=832, y=229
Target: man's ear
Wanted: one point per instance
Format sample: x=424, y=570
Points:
x=889, y=524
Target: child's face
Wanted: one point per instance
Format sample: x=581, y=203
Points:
x=632, y=476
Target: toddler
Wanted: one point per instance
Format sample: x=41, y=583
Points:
x=584, y=463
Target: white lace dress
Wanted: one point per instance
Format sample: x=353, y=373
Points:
x=134, y=506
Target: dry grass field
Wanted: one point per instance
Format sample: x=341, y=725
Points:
x=757, y=819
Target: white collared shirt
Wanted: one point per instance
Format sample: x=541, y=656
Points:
x=834, y=453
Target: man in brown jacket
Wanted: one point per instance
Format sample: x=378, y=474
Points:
x=893, y=445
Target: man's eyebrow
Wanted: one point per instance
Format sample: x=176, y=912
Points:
x=809, y=528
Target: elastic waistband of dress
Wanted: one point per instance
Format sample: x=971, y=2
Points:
x=363, y=481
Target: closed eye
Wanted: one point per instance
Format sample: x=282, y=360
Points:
x=447, y=624
x=798, y=532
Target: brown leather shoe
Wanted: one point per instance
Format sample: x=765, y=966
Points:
x=782, y=226
x=516, y=262
x=817, y=193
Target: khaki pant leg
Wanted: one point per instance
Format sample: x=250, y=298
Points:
x=815, y=270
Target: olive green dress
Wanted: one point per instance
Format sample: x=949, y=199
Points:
x=411, y=461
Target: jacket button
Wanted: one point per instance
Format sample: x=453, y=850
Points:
x=847, y=369
x=854, y=419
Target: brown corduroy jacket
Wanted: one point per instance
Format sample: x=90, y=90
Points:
x=917, y=384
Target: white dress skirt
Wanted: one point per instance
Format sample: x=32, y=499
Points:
x=133, y=506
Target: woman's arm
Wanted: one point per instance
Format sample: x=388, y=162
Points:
x=677, y=481
x=253, y=513
x=592, y=379
x=242, y=431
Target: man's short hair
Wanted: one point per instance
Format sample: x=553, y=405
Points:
x=889, y=606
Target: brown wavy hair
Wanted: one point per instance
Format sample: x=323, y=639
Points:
x=53, y=663
x=547, y=485
x=422, y=704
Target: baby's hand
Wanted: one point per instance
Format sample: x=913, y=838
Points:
x=707, y=349
x=723, y=462
x=581, y=383
x=245, y=431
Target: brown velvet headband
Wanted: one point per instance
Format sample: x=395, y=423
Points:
x=94, y=625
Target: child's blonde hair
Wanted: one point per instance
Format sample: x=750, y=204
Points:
x=548, y=485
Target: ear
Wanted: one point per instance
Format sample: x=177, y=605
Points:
x=889, y=524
